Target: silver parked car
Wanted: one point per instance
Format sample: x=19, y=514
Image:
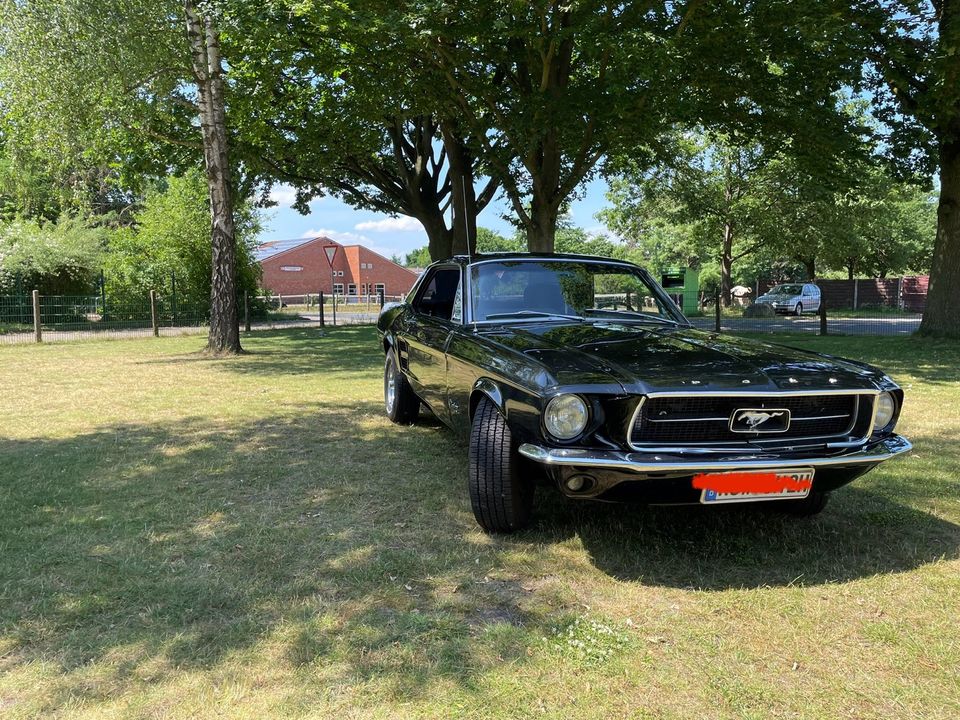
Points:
x=795, y=298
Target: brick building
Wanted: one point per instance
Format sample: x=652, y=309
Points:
x=300, y=267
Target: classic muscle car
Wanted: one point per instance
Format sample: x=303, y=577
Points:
x=581, y=373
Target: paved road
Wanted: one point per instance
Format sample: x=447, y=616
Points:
x=840, y=326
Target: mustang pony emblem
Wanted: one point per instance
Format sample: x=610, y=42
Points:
x=753, y=417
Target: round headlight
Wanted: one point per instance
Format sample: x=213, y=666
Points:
x=884, y=411
x=566, y=416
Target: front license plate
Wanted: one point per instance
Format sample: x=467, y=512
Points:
x=753, y=485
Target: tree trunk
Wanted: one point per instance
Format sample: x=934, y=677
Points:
x=463, y=217
x=810, y=263
x=439, y=236
x=726, y=265
x=224, y=336
x=541, y=226
x=941, y=316
x=850, y=270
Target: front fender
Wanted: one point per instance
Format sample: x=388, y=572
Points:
x=490, y=389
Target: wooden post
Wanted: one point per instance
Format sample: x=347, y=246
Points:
x=856, y=293
x=823, y=316
x=37, y=330
x=153, y=313
x=320, y=301
x=246, y=311
x=381, y=297
x=716, y=311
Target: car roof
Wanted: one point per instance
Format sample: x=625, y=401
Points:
x=509, y=256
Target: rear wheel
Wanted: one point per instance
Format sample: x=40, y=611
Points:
x=399, y=400
x=502, y=499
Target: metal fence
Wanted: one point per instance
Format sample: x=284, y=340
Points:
x=64, y=318
x=30, y=317
x=57, y=318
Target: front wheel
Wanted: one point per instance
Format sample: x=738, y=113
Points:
x=798, y=310
x=502, y=500
x=399, y=400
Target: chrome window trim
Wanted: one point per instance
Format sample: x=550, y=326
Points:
x=680, y=320
x=727, y=446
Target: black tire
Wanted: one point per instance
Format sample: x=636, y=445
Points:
x=798, y=310
x=403, y=406
x=809, y=506
x=501, y=497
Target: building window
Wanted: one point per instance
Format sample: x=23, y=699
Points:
x=369, y=266
x=351, y=289
x=339, y=273
x=380, y=288
x=338, y=288
x=363, y=289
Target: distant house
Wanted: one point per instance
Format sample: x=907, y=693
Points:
x=298, y=267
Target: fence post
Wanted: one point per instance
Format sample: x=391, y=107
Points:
x=380, y=297
x=246, y=310
x=856, y=292
x=823, y=316
x=37, y=330
x=320, y=296
x=153, y=313
x=103, y=295
x=716, y=310
x=173, y=294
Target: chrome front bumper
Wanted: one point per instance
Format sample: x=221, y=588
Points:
x=642, y=463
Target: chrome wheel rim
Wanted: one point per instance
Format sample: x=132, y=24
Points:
x=391, y=387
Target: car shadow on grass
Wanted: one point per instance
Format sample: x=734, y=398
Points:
x=861, y=533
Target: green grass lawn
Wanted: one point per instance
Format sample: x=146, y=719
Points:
x=187, y=537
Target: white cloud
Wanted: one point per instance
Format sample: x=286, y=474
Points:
x=286, y=195
x=283, y=195
x=397, y=224
x=344, y=238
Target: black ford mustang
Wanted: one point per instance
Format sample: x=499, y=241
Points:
x=581, y=372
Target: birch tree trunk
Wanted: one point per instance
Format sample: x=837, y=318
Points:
x=204, y=42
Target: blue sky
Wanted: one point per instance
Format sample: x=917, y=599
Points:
x=396, y=236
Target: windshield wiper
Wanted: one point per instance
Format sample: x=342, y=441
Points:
x=532, y=313
x=631, y=314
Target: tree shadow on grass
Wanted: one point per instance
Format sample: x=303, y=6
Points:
x=150, y=549
x=146, y=550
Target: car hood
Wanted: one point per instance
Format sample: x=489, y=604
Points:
x=645, y=358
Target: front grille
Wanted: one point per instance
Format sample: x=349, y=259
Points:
x=699, y=419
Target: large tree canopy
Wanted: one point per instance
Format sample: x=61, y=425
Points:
x=913, y=52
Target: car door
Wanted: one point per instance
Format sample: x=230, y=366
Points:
x=426, y=333
x=811, y=298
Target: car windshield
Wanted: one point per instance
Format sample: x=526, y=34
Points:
x=564, y=290
x=787, y=290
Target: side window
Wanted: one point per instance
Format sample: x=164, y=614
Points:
x=439, y=293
